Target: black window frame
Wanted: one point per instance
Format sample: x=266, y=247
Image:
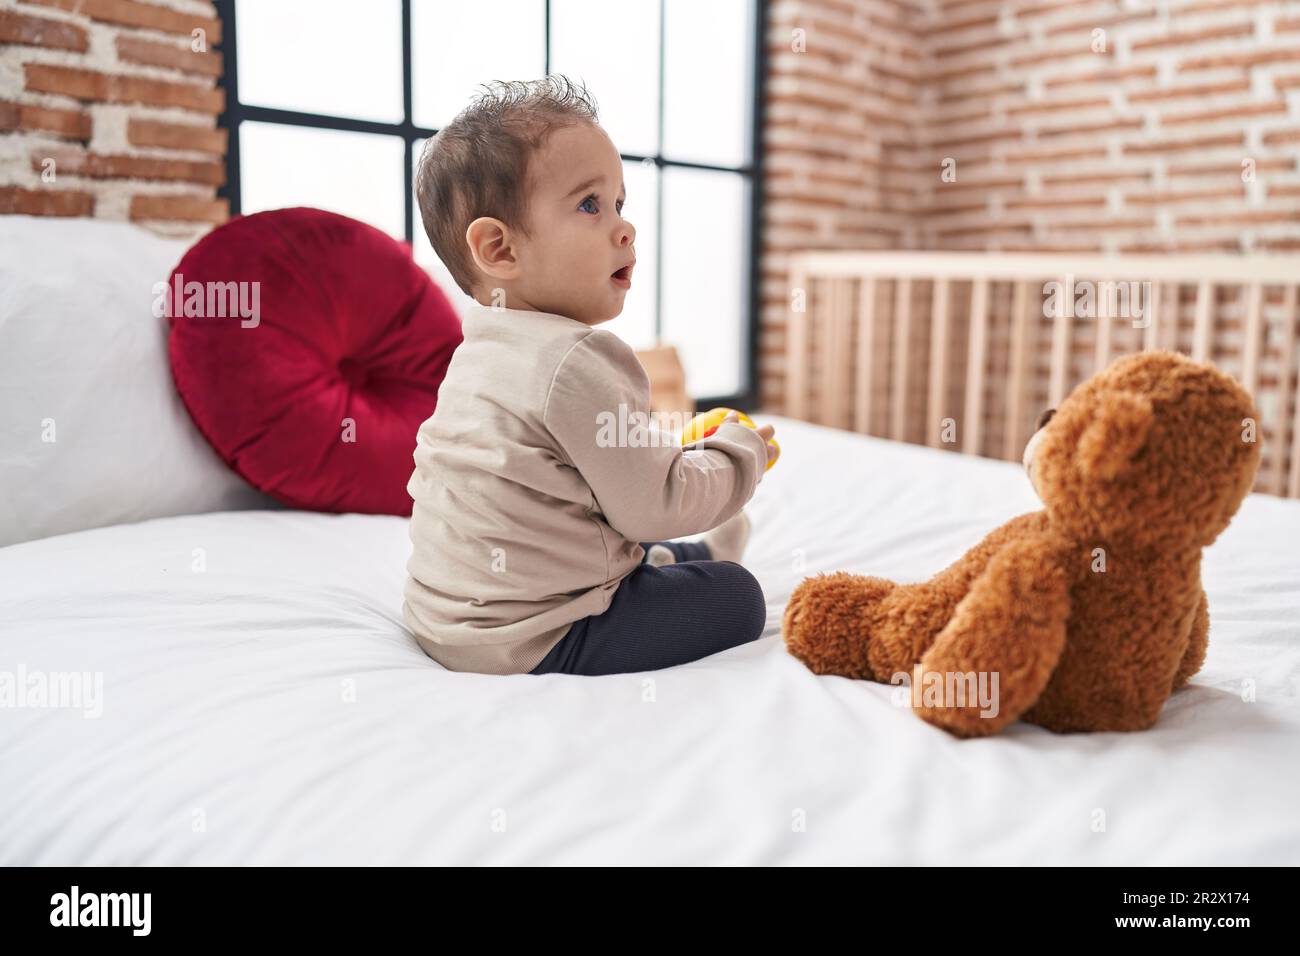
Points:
x=237, y=112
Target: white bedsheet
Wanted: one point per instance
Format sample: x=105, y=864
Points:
x=227, y=735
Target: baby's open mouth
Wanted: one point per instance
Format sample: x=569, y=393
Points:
x=624, y=274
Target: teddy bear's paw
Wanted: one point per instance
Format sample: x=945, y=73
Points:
x=966, y=723
x=826, y=622
x=965, y=704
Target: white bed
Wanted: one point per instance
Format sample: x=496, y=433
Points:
x=226, y=736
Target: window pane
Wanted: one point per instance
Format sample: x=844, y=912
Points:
x=636, y=324
x=708, y=94
x=614, y=49
x=356, y=174
x=704, y=279
x=319, y=56
x=457, y=46
x=424, y=254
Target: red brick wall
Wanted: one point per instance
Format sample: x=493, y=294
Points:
x=1115, y=127
x=1180, y=133
x=844, y=143
x=108, y=108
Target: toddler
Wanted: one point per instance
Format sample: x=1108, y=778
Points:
x=539, y=538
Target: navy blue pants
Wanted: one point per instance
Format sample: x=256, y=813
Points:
x=664, y=616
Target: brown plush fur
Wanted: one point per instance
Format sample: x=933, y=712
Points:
x=1141, y=467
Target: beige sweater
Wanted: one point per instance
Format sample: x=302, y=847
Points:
x=533, y=491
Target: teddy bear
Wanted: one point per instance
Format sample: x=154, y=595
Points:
x=1086, y=615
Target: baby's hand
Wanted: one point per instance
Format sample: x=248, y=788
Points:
x=766, y=431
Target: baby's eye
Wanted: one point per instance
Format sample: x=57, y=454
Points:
x=592, y=199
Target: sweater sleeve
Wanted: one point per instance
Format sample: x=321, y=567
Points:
x=647, y=485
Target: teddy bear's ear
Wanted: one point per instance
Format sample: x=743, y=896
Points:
x=1117, y=432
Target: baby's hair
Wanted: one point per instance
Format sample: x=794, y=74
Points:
x=477, y=165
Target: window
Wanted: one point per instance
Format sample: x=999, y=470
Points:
x=330, y=101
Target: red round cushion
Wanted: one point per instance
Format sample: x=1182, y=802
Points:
x=311, y=375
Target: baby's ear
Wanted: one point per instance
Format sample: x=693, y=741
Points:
x=1117, y=432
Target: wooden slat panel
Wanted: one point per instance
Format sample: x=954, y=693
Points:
x=1057, y=377
x=938, y=384
x=1105, y=328
x=898, y=373
x=966, y=266
x=1289, y=313
x=1017, y=373
x=979, y=318
x=1250, y=348
x=797, y=352
x=838, y=357
x=821, y=313
x=1204, y=325
x=1286, y=348
x=1154, y=308
x=865, y=378
x=820, y=339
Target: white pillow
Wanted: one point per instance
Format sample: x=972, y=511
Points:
x=92, y=431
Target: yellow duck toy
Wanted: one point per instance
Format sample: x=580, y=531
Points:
x=706, y=423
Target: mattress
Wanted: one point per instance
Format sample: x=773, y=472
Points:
x=263, y=703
